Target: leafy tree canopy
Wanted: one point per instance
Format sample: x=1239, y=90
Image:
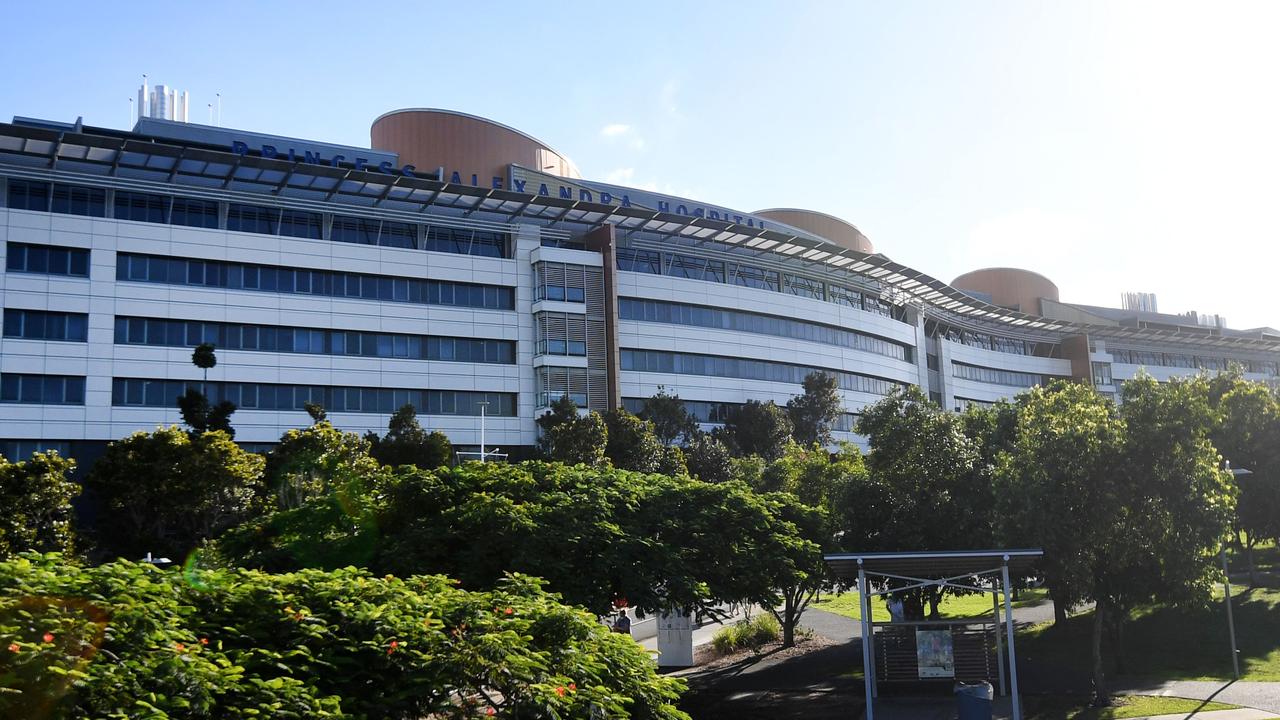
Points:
x=813, y=413
x=758, y=428
x=406, y=443
x=672, y=422
x=572, y=438
x=166, y=491
x=35, y=504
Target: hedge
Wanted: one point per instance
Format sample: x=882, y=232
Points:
x=127, y=640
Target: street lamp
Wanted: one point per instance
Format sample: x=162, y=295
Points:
x=483, y=404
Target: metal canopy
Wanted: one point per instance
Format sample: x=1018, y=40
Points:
x=932, y=564
x=936, y=568
x=110, y=154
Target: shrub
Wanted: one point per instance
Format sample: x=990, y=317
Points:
x=750, y=634
x=129, y=640
x=35, y=504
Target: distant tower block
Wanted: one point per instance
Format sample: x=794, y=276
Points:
x=1139, y=302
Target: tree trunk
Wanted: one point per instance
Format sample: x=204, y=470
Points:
x=788, y=618
x=1059, y=610
x=1101, y=698
x=1248, y=553
x=934, y=597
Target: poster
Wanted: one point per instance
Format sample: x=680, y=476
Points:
x=933, y=654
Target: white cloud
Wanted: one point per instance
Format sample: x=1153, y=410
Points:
x=623, y=132
x=620, y=176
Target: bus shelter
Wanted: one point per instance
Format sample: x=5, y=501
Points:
x=936, y=649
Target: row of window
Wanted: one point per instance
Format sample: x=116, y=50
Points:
x=46, y=260
x=987, y=342
x=16, y=450
x=717, y=413
x=270, y=338
x=994, y=376
x=717, y=366
x=44, y=325
x=194, y=212
x=702, y=316
x=269, y=396
x=30, y=389
x=735, y=273
x=1151, y=358
x=329, y=283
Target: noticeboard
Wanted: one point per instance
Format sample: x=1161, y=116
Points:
x=934, y=654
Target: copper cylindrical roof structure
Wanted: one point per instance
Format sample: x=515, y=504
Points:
x=1009, y=287
x=823, y=225
x=468, y=145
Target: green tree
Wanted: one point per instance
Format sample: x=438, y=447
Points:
x=35, y=504
x=572, y=438
x=167, y=491
x=406, y=443
x=314, y=462
x=316, y=411
x=201, y=417
x=708, y=459
x=821, y=488
x=632, y=444
x=924, y=483
x=758, y=428
x=672, y=422
x=1128, y=505
x=671, y=461
x=595, y=534
x=1248, y=435
x=204, y=358
x=813, y=413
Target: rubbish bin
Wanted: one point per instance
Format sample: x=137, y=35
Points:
x=973, y=700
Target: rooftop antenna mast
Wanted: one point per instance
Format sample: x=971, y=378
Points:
x=130, y=125
x=219, y=98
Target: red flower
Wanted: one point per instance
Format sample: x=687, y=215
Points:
x=490, y=711
x=179, y=647
x=13, y=647
x=394, y=644
x=560, y=691
x=573, y=687
x=48, y=637
x=204, y=641
x=510, y=611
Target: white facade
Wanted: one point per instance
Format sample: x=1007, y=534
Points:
x=716, y=337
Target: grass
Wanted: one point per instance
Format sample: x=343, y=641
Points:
x=750, y=634
x=1163, y=643
x=952, y=606
x=1073, y=707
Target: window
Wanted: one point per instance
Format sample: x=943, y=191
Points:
x=253, y=219
x=299, y=223
x=635, y=260
x=16, y=450
x=466, y=242
x=41, y=325
x=141, y=207
x=1101, y=373
x=233, y=336
x=41, y=389
x=47, y=260
x=702, y=316
x=194, y=213
x=995, y=376
x=146, y=392
x=77, y=200
x=28, y=195
x=717, y=366
x=269, y=278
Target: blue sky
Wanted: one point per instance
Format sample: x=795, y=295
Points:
x=1110, y=146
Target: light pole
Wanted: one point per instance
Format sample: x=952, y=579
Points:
x=483, y=404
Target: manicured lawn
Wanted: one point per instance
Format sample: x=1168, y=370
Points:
x=1164, y=643
x=1072, y=707
x=963, y=606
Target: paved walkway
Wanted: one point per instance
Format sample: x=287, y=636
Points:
x=1260, y=695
